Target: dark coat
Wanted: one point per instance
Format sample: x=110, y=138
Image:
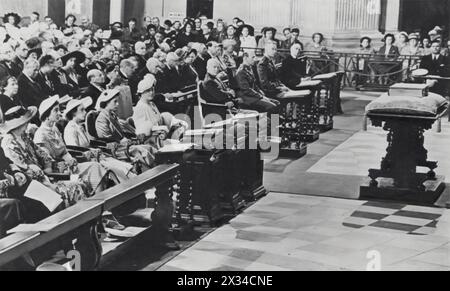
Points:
x=200, y=66
x=189, y=75
x=7, y=103
x=215, y=91
x=268, y=77
x=30, y=93
x=393, y=52
x=9, y=70
x=50, y=88
x=292, y=70
x=248, y=88
x=93, y=92
x=437, y=68
x=183, y=39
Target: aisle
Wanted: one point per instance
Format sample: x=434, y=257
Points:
x=295, y=232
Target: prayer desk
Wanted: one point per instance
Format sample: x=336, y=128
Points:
x=398, y=179
x=299, y=122
x=329, y=98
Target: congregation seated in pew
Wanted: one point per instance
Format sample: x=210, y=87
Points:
x=148, y=118
x=109, y=128
x=270, y=78
x=253, y=97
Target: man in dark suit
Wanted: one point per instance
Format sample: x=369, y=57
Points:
x=200, y=65
x=293, y=68
x=437, y=65
x=270, y=79
x=7, y=66
x=248, y=89
x=21, y=55
x=128, y=74
x=215, y=90
x=30, y=93
x=291, y=38
x=45, y=77
x=172, y=73
x=96, y=80
x=140, y=50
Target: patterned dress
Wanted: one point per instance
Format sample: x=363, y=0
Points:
x=31, y=159
x=50, y=140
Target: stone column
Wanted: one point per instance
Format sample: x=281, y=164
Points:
x=116, y=13
x=392, y=15
x=354, y=19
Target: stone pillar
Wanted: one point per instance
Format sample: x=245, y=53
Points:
x=354, y=19
x=392, y=16
x=116, y=12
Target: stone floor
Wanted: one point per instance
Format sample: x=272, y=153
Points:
x=313, y=220
x=296, y=232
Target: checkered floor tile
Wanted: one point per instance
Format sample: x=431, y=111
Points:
x=365, y=149
x=295, y=232
x=395, y=217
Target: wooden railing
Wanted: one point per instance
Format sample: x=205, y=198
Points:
x=37, y=242
x=362, y=71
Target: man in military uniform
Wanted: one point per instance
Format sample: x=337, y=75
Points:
x=269, y=77
x=253, y=97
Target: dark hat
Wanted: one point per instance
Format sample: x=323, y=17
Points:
x=266, y=29
x=319, y=34
x=389, y=35
x=117, y=23
x=16, y=16
x=250, y=28
x=79, y=56
x=364, y=38
x=37, y=51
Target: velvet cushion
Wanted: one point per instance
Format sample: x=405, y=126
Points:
x=431, y=105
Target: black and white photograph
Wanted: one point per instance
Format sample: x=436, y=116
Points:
x=224, y=141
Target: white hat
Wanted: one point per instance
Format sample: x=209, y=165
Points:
x=48, y=104
x=64, y=99
x=74, y=103
x=147, y=83
x=16, y=117
x=106, y=96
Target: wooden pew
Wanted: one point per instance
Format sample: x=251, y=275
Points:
x=41, y=240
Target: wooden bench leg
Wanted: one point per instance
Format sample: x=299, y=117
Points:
x=162, y=215
x=89, y=247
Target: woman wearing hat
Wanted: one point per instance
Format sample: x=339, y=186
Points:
x=14, y=207
x=9, y=88
x=70, y=62
x=109, y=127
x=364, y=52
x=31, y=159
x=403, y=41
x=412, y=49
x=268, y=36
x=247, y=39
x=50, y=139
x=317, y=43
x=232, y=36
x=388, y=52
x=147, y=116
x=230, y=57
x=11, y=22
x=76, y=135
